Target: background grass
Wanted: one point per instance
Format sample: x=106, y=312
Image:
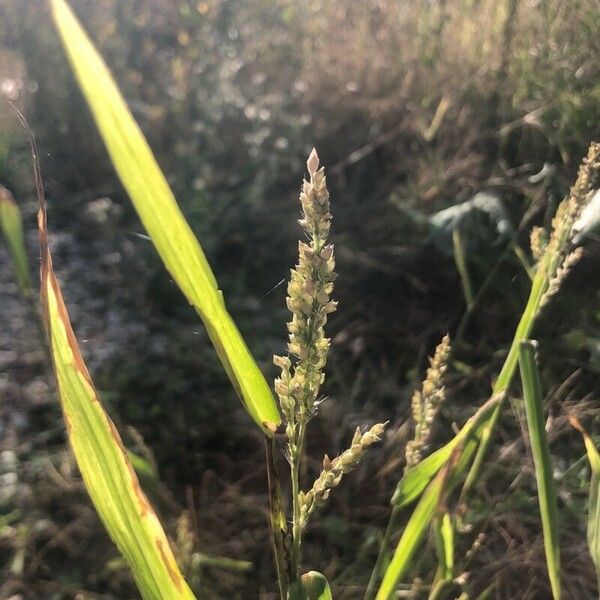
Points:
x=232, y=96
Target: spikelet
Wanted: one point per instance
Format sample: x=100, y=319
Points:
x=309, y=301
x=334, y=470
x=538, y=242
x=185, y=542
x=427, y=401
x=561, y=274
x=558, y=258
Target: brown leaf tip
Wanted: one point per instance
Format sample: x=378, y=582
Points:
x=313, y=162
x=574, y=421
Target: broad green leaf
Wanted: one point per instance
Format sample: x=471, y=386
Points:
x=312, y=586
x=543, y=463
x=11, y=223
x=158, y=210
x=101, y=457
x=427, y=507
x=593, y=528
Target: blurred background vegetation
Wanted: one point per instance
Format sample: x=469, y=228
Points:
x=415, y=108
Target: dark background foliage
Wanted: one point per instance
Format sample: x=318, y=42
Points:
x=414, y=107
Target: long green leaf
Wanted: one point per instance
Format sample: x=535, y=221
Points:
x=312, y=586
x=106, y=469
x=158, y=210
x=445, y=480
x=412, y=536
x=11, y=223
x=593, y=529
x=543, y=463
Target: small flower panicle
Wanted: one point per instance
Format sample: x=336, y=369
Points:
x=309, y=301
x=427, y=401
x=334, y=470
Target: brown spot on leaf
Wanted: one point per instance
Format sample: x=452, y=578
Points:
x=174, y=575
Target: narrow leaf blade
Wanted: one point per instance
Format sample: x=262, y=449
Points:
x=593, y=529
x=11, y=223
x=444, y=538
x=417, y=478
x=158, y=210
x=444, y=481
x=542, y=460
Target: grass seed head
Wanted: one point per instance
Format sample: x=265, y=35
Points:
x=558, y=258
x=309, y=301
x=333, y=470
x=427, y=401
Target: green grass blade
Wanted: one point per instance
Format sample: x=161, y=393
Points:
x=106, y=469
x=312, y=586
x=445, y=480
x=460, y=259
x=412, y=536
x=444, y=541
x=593, y=528
x=11, y=224
x=543, y=463
x=522, y=332
x=158, y=210
x=417, y=478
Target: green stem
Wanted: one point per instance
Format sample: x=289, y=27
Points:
x=278, y=520
x=441, y=589
x=461, y=264
x=383, y=548
x=296, y=522
x=538, y=288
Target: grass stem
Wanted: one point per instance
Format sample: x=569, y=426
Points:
x=296, y=508
x=383, y=548
x=278, y=520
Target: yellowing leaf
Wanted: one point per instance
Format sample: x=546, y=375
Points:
x=593, y=530
x=101, y=457
x=158, y=210
x=12, y=229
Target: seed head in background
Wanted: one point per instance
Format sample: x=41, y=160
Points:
x=427, y=401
